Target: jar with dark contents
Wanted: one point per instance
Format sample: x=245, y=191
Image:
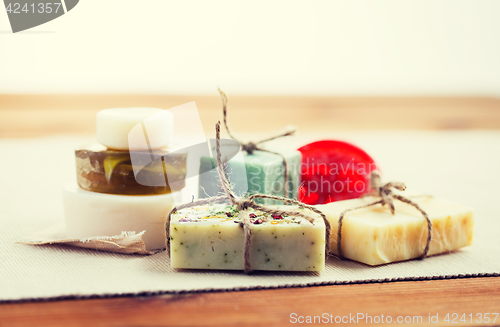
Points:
x=120, y=172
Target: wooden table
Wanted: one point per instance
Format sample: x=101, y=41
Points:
x=37, y=115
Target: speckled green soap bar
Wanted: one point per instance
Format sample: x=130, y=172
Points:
x=212, y=238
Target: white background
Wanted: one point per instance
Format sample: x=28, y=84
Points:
x=259, y=47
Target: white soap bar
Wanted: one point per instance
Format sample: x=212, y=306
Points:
x=374, y=236
x=135, y=128
x=89, y=214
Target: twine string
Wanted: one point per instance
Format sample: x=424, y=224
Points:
x=387, y=198
x=250, y=147
x=245, y=203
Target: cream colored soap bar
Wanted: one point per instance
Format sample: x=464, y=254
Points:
x=212, y=238
x=374, y=236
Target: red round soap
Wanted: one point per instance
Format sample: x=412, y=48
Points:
x=333, y=171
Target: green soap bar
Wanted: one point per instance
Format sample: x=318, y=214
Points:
x=212, y=238
x=264, y=174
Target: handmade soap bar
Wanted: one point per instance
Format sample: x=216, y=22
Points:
x=88, y=214
x=264, y=174
x=134, y=128
x=374, y=236
x=212, y=238
x=108, y=171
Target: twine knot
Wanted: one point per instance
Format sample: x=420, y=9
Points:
x=249, y=147
x=243, y=203
x=385, y=191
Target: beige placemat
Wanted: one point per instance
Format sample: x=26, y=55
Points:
x=458, y=166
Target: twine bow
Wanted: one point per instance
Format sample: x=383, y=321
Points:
x=387, y=197
x=246, y=203
x=250, y=147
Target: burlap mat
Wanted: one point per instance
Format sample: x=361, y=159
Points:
x=458, y=166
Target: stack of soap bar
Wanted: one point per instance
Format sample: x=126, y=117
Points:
x=123, y=182
x=264, y=174
x=99, y=169
x=374, y=236
x=212, y=238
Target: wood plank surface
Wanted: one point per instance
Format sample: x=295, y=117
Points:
x=414, y=302
x=36, y=115
x=39, y=115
